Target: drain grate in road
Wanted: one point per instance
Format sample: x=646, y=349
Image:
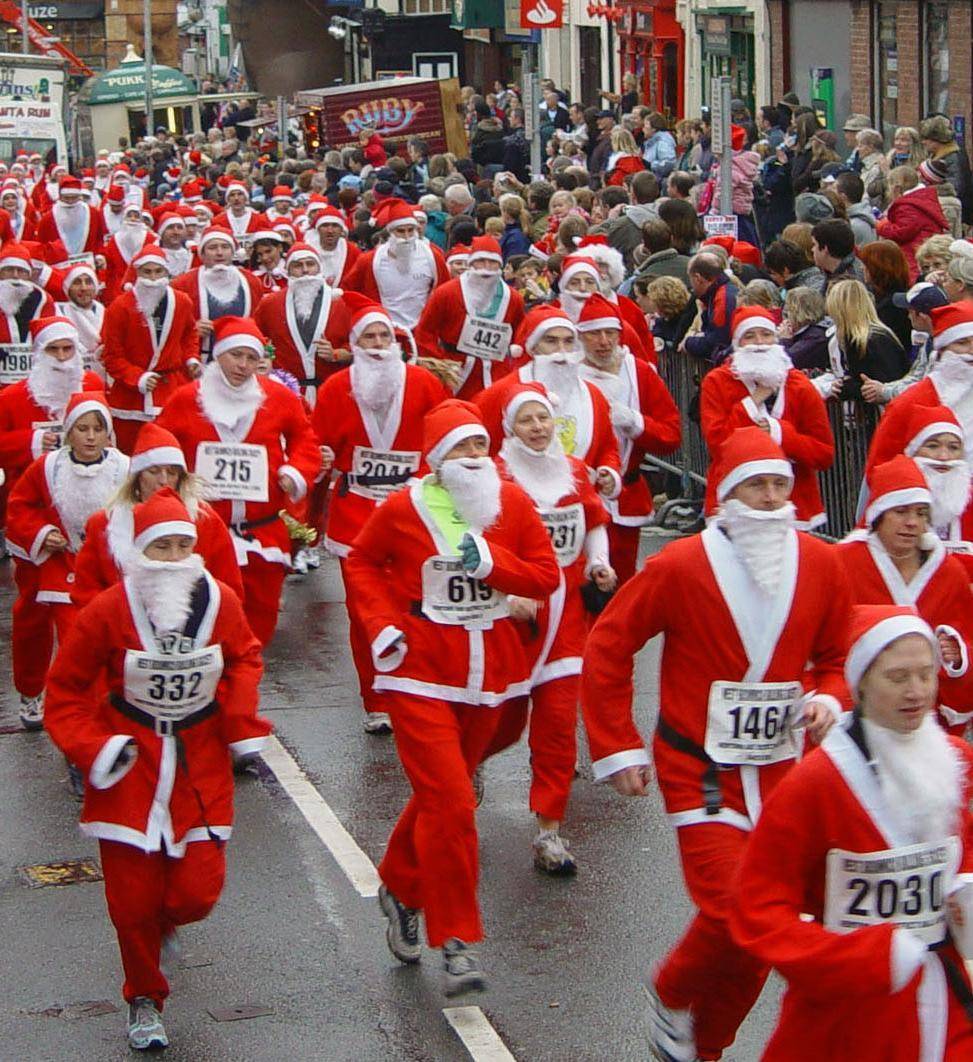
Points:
x=88, y=1008
x=238, y=1013
x=64, y=872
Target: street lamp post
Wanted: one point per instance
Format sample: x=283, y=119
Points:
x=24, y=39
x=147, y=51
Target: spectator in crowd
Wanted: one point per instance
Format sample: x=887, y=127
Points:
x=850, y=189
x=887, y=275
x=669, y=307
x=516, y=226
x=789, y=267
x=660, y=258
x=833, y=250
x=716, y=297
x=939, y=140
x=914, y=214
x=803, y=332
x=864, y=348
x=625, y=160
x=933, y=173
x=854, y=124
x=958, y=281
x=659, y=150
x=871, y=147
x=906, y=150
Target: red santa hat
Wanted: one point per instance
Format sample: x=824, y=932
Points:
x=520, y=396
x=86, y=402
x=726, y=242
x=301, y=251
x=747, y=317
x=285, y=228
x=155, y=446
x=537, y=323
x=738, y=137
x=485, y=247
x=872, y=629
x=192, y=192
x=268, y=233
x=281, y=193
x=236, y=186
x=163, y=514
x=230, y=333
x=896, y=482
x=316, y=204
x=363, y=313
x=927, y=421
x=330, y=216
x=150, y=254
x=598, y=249
x=14, y=255
x=79, y=269
x=598, y=312
x=214, y=232
x=44, y=330
x=746, y=253
x=748, y=452
x=951, y=322
x=173, y=174
x=447, y=425
x=578, y=265
x=393, y=214
x=459, y=252
x=115, y=194
x=195, y=157
x=169, y=219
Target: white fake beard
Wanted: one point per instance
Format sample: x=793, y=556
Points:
x=223, y=283
x=12, y=295
x=375, y=383
x=572, y=302
x=546, y=474
x=480, y=287
x=609, y=383
x=149, y=293
x=761, y=366
x=130, y=239
x=304, y=291
x=950, y=490
x=759, y=538
x=920, y=775
x=51, y=382
x=403, y=251
x=953, y=377
x=559, y=373
x=79, y=491
x=474, y=485
x=71, y=225
x=165, y=588
x=179, y=259
x=222, y=402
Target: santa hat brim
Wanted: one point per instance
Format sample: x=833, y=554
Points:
x=234, y=341
x=893, y=499
x=770, y=466
x=160, y=530
x=437, y=453
x=159, y=455
x=876, y=639
x=90, y=405
x=941, y=427
x=520, y=399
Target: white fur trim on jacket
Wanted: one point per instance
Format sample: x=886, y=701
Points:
x=104, y=773
x=386, y=638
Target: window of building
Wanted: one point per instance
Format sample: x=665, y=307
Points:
x=886, y=68
x=935, y=80
x=427, y=7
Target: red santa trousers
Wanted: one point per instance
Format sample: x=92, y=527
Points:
x=126, y=432
x=706, y=971
x=623, y=550
x=149, y=894
x=432, y=862
x=263, y=582
x=32, y=632
x=361, y=652
x=552, y=740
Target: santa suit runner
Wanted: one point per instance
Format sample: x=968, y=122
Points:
x=16, y=349
x=497, y=345
x=242, y=306
x=306, y=350
x=403, y=294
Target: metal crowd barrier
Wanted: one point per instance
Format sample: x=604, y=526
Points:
x=852, y=424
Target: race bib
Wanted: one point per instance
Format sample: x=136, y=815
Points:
x=171, y=687
x=376, y=473
x=232, y=471
x=450, y=595
x=82, y=258
x=15, y=362
x=483, y=338
x=53, y=426
x=900, y=886
x=566, y=528
x=750, y=723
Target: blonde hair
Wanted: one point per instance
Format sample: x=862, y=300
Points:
x=189, y=487
x=799, y=233
x=668, y=295
x=622, y=140
x=493, y=226
x=937, y=246
x=916, y=151
x=760, y=293
x=564, y=196
x=513, y=208
x=852, y=309
x=804, y=306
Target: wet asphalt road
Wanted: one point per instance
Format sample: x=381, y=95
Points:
x=566, y=959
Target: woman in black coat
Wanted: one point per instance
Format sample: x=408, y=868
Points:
x=867, y=347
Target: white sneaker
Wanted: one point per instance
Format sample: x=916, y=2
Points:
x=377, y=723
x=551, y=854
x=145, y=1029
x=671, y=1036
x=299, y=564
x=313, y=557
x=32, y=712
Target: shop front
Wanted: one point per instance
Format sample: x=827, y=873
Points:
x=652, y=46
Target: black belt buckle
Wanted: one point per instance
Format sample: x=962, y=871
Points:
x=165, y=727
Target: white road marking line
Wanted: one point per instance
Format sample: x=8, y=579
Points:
x=479, y=1037
x=358, y=868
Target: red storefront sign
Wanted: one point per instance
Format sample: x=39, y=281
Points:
x=541, y=14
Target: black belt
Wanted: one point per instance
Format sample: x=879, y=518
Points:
x=351, y=479
x=712, y=791
x=243, y=529
x=168, y=726
x=310, y=381
x=632, y=477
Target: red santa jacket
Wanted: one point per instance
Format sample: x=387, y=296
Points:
x=639, y=387
x=939, y=592
x=118, y=266
x=48, y=230
x=108, y=541
x=892, y=434
x=554, y=642
x=477, y=666
x=282, y=428
x=133, y=349
x=362, y=277
x=15, y=328
x=911, y=219
x=718, y=628
x=23, y=423
x=192, y=285
x=586, y=434
x=855, y=994
x=341, y=423
x=35, y=509
x=441, y=324
x=168, y=794
x=250, y=221
x=277, y=320
x=798, y=424
x=634, y=318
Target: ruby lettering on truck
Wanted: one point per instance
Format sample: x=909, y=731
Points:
x=386, y=116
